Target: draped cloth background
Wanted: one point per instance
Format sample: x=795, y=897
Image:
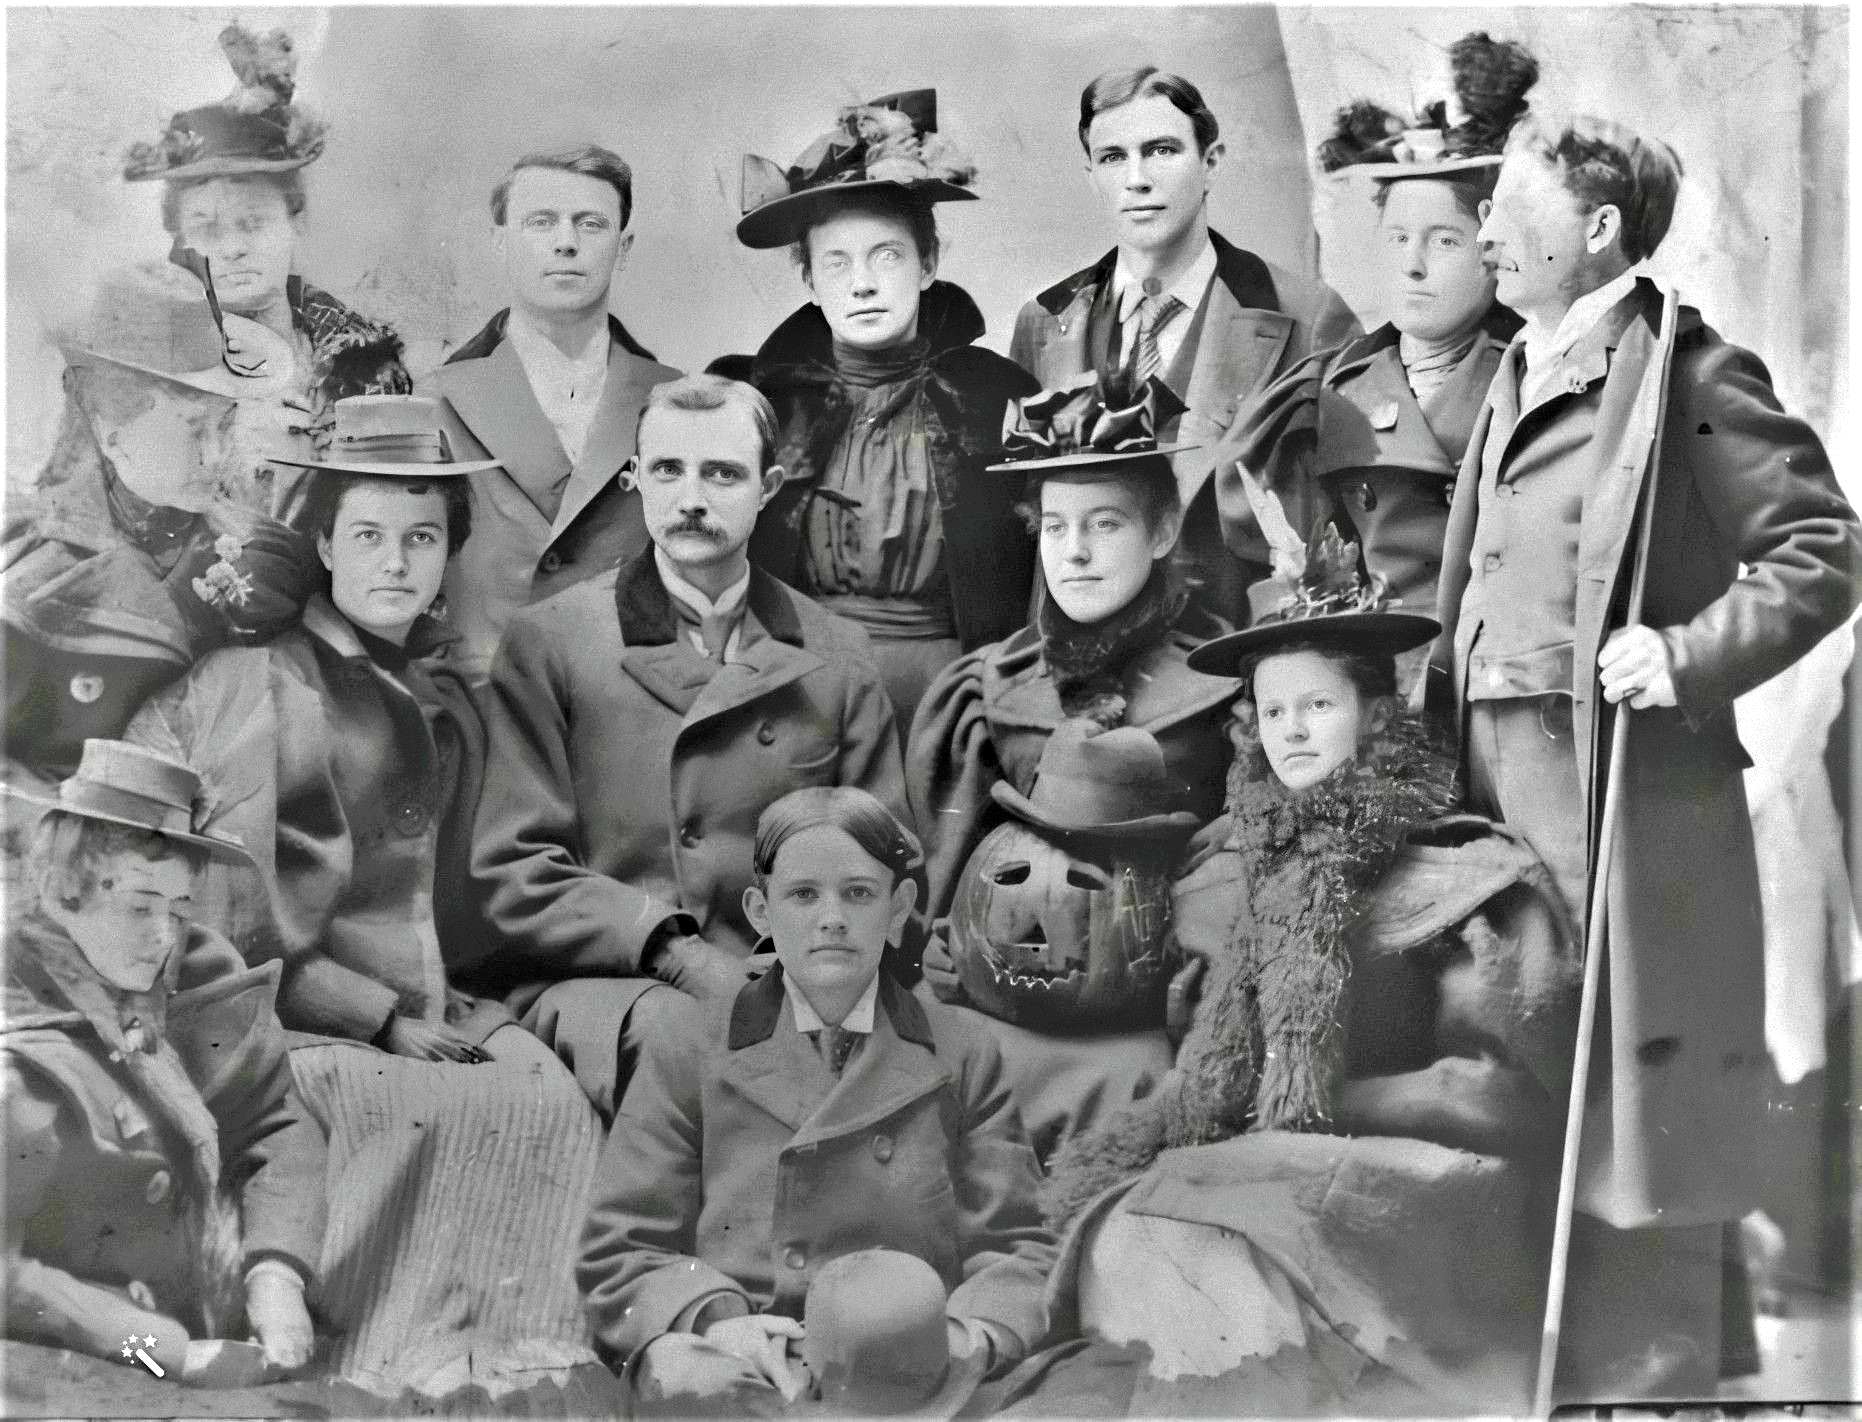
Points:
x=429, y=105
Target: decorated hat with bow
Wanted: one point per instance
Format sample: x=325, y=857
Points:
x=254, y=129
x=1460, y=135
x=1095, y=425
x=1318, y=592
x=891, y=142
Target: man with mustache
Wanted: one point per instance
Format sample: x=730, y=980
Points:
x=1174, y=299
x=551, y=389
x=1751, y=560
x=639, y=723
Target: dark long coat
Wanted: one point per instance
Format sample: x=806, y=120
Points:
x=737, y=1163
x=625, y=770
x=1738, y=482
x=1258, y=322
x=538, y=522
x=988, y=553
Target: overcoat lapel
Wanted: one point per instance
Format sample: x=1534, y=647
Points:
x=493, y=397
x=611, y=436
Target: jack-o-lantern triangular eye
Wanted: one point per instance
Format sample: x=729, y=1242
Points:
x=1014, y=872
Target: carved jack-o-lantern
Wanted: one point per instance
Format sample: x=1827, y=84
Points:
x=1049, y=940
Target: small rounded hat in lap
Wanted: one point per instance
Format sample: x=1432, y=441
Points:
x=390, y=436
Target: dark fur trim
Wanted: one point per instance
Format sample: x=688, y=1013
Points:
x=1265, y=1050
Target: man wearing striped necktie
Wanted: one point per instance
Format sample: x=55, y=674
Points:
x=1175, y=299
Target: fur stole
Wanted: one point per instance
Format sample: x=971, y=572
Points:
x=1266, y=1049
x=1088, y=660
x=49, y=983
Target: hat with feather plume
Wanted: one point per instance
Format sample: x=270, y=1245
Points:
x=255, y=129
x=1460, y=135
x=1319, y=592
x=889, y=142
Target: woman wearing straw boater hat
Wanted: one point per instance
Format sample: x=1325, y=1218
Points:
x=1369, y=1096
x=1110, y=643
x=350, y=762
x=164, y=1179
x=889, y=408
x=181, y=380
x=1369, y=435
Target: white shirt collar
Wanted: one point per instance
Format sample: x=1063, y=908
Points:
x=532, y=344
x=568, y=388
x=728, y=601
x=858, y=1019
x=1579, y=321
x=1188, y=288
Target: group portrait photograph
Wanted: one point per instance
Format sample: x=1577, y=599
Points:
x=912, y=710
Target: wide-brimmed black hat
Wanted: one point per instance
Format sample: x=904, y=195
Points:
x=1099, y=784
x=1094, y=425
x=255, y=129
x=1491, y=78
x=122, y=783
x=1328, y=600
x=891, y=142
x=391, y=436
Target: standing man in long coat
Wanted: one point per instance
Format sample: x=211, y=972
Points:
x=1174, y=299
x=551, y=388
x=1540, y=547
x=638, y=723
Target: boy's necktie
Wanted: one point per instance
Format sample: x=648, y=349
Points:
x=1154, y=312
x=835, y=1045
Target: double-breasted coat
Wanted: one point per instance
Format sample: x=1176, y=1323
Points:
x=1258, y=320
x=539, y=522
x=332, y=769
x=1738, y=482
x=626, y=770
x=739, y=1165
x=97, y=1177
x=1342, y=437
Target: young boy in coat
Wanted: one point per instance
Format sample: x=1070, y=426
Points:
x=822, y=1110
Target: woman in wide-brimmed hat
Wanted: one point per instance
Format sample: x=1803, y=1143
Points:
x=889, y=408
x=1354, y=1147
x=1369, y=435
x=1110, y=644
x=187, y=372
x=350, y=762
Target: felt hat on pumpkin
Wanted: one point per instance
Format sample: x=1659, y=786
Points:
x=890, y=142
x=125, y=784
x=877, y=1342
x=389, y=436
x=254, y=129
x=1096, y=425
x=1318, y=592
x=1462, y=135
x=1099, y=784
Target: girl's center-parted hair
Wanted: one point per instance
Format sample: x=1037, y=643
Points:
x=1152, y=486
x=852, y=811
x=328, y=486
x=1374, y=674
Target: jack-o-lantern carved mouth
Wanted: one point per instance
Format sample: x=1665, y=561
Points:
x=1031, y=970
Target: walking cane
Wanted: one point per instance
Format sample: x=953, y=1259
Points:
x=1597, y=915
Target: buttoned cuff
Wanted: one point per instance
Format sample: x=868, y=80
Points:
x=274, y=1265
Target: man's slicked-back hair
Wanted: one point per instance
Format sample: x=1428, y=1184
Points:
x=587, y=159
x=1605, y=163
x=714, y=392
x=1117, y=87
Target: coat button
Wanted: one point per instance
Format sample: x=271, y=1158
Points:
x=796, y=1258
x=688, y=835
x=766, y=734
x=882, y=1149
x=1367, y=497
x=1491, y=563
x=551, y=562
x=158, y=1187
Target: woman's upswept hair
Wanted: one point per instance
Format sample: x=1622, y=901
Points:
x=1152, y=485
x=846, y=808
x=327, y=487
x=290, y=183
x=901, y=203
x=1606, y=164
x=68, y=850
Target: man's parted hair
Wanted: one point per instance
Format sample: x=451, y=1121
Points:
x=584, y=158
x=714, y=392
x=1118, y=87
x=1604, y=163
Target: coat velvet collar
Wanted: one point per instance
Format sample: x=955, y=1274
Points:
x=648, y=620
x=758, y=1009
x=1244, y=274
